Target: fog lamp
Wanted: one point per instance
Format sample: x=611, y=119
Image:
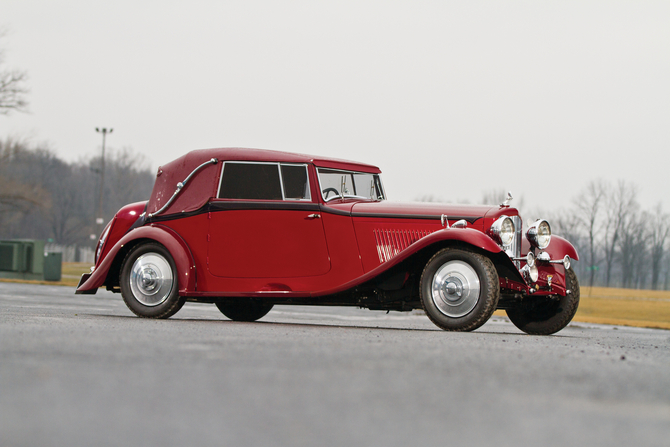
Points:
x=530, y=259
x=530, y=273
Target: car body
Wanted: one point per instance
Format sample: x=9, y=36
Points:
x=247, y=229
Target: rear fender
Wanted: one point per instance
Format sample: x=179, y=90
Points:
x=183, y=258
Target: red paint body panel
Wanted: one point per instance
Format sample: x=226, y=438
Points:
x=298, y=248
x=453, y=212
x=331, y=283
x=559, y=247
x=267, y=244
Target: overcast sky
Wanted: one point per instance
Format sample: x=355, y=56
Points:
x=449, y=98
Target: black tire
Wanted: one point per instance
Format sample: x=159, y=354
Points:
x=546, y=316
x=459, y=289
x=244, y=310
x=149, y=283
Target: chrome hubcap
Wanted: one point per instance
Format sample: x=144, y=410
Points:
x=455, y=289
x=151, y=279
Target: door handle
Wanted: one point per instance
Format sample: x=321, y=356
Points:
x=314, y=216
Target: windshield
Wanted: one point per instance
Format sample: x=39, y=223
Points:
x=337, y=184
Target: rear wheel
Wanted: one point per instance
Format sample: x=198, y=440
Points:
x=459, y=289
x=546, y=316
x=149, y=282
x=247, y=310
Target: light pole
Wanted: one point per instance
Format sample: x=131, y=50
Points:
x=99, y=220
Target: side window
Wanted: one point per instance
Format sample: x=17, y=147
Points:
x=250, y=181
x=296, y=186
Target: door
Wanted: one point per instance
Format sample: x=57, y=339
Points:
x=267, y=243
x=264, y=224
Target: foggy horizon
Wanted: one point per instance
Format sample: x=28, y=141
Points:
x=448, y=99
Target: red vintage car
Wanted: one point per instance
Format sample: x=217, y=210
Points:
x=247, y=229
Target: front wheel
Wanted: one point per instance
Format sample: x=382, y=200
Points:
x=149, y=282
x=459, y=289
x=544, y=315
x=244, y=310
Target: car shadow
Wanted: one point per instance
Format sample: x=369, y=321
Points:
x=482, y=330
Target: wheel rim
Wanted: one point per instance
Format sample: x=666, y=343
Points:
x=455, y=289
x=151, y=279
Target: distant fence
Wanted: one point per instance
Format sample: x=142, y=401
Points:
x=72, y=253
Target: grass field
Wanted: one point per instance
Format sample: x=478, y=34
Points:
x=71, y=273
x=601, y=305
x=627, y=307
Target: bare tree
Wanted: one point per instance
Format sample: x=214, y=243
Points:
x=589, y=205
x=620, y=203
x=130, y=178
x=19, y=195
x=44, y=197
x=13, y=89
x=658, y=235
x=632, y=248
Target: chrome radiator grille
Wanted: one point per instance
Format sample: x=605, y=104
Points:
x=516, y=244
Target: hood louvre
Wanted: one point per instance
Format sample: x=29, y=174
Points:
x=391, y=242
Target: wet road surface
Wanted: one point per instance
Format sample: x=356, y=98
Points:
x=81, y=370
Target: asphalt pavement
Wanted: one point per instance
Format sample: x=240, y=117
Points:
x=82, y=370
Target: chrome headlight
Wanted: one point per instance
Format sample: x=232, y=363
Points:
x=502, y=231
x=539, y=234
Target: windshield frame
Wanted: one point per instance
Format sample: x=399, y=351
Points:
x=376, y=178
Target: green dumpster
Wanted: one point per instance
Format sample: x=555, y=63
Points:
x=53, y=265
x=22, y=259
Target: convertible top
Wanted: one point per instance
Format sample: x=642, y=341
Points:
x=203, y=185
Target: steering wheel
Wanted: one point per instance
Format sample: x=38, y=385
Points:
x=329, y=190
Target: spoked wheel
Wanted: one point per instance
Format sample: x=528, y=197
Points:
x=246, y=310
x=149, y=282
x=459, y=289
x=544, y=315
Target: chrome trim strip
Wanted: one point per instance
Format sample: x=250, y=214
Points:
x=281, y=177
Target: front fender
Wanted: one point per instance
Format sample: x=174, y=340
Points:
x=469, y=236
x=559, y=247
x=183, y=258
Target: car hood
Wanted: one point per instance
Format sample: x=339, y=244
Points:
x=421, y=210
